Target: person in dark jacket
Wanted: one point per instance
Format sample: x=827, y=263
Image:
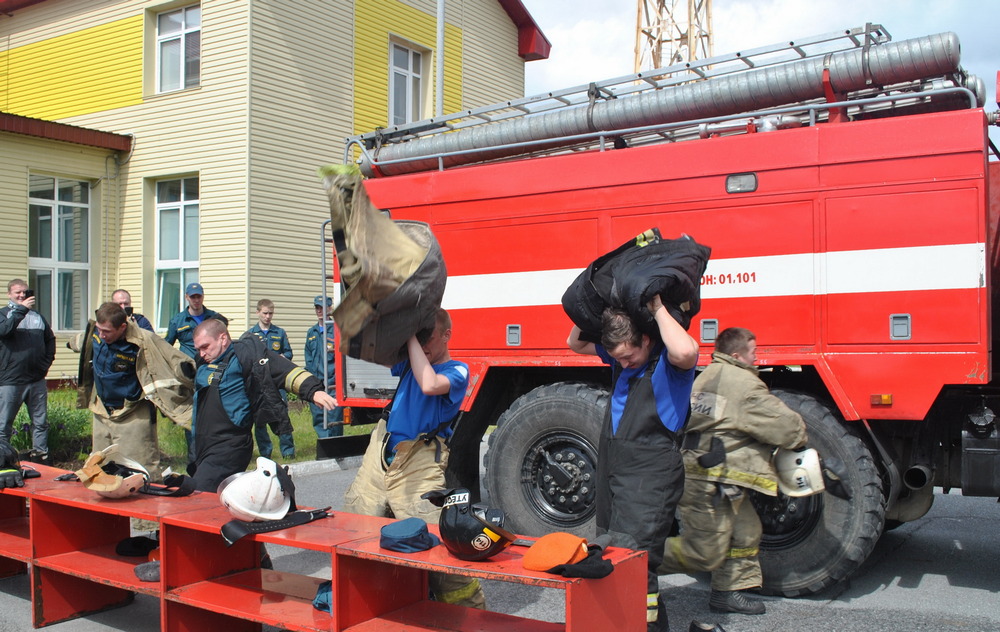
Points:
x=640, y=473
x=230, y=393
x=27, y=349
x=320, y=358
x=124, y=299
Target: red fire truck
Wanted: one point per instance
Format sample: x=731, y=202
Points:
x=843, y=183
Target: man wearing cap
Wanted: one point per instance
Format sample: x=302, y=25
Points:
x=124, y=299
x=133, y=372
x=181, y=327
x=320, y=355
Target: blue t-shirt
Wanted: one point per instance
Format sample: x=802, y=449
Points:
x=671, y=388
x=414, y=413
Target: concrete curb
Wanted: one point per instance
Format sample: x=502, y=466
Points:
x=307, y=468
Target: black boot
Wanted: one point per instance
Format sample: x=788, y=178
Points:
x=661, y=624
x=697, y=626
x=734, y=601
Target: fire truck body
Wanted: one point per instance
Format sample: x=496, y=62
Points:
x=859, y=251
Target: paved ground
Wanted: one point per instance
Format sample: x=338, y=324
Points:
x=938, y=574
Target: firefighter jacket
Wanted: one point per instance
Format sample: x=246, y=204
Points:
x=393, y=273
x=729, y=403
x=628, y=277
x=165, y=373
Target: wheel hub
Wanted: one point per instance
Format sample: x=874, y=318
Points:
x=558, y=476
x=786, y=520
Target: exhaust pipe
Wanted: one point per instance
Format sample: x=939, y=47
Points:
x=917, y=477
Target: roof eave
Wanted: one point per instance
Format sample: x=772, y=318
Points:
x=532, y=44
x=51, y=130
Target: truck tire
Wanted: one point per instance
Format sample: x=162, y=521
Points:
x=542, y=459
x=813, y=542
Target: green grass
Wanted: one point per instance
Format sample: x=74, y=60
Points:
x=173, y=450
x=70, y=433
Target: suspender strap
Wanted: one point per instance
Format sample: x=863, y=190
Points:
x=233, y=530
x=173, y=485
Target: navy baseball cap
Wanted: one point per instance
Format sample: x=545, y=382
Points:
x=318, y=301
x=194, y=288
x=407, y=536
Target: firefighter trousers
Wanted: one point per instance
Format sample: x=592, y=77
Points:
x=393, y=490
x=720, y=533
x=133, y=428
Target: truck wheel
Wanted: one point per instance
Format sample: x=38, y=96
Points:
x=542, y=459
x=813, y=542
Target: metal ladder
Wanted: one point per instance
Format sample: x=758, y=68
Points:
x=668, y=76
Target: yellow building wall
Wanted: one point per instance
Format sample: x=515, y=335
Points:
x=94, y=69
x=376, y=22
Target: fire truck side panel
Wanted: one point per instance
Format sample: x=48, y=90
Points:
x=861, y=251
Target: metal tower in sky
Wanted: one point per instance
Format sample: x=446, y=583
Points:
x=672, y=31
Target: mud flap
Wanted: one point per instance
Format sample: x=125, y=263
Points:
x=341, y=447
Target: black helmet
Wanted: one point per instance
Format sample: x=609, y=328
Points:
x=470, y=532
x=8, y=456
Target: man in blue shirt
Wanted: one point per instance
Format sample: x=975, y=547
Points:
x=407, y=455
x=640, y=473
x=275, y=339
x=320, y=356
x=181, y=326
x=124, y=299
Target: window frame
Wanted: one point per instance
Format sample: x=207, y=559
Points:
x=183, y=36
x=414, y=103
x=52, y=300
x=169, y=297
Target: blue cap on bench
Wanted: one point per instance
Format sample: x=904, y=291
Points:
x=408, y=536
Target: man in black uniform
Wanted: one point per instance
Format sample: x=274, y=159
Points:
x=239, y=380
x=640, y=474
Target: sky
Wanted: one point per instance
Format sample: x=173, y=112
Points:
x=595, y=39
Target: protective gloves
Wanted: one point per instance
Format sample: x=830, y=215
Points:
x=11, y=478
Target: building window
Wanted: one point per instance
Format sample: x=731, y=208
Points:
x=405, y=85
x=59, y=250
x=178, y=49
x=176, y=245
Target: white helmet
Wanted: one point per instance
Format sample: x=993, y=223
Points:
x=112, y=475
x=799, y=472
x=256, y=495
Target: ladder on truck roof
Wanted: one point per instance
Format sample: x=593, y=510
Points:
x=802, y=78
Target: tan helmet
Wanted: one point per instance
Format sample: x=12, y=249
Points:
x=112, y=475
x=800, y=472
